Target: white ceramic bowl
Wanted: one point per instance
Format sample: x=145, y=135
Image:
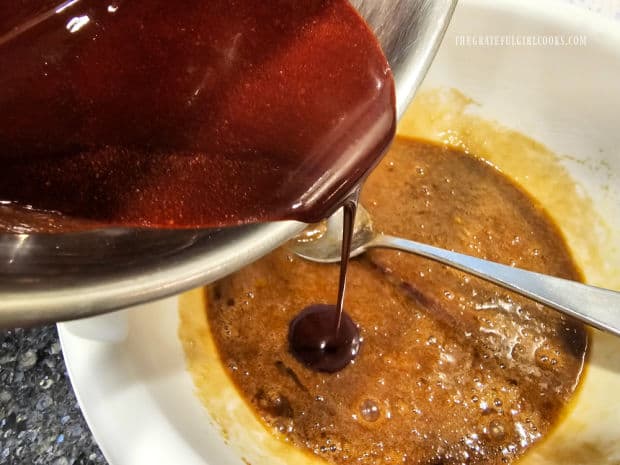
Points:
x=128, y=369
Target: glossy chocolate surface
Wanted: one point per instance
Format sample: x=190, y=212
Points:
x=188, y=113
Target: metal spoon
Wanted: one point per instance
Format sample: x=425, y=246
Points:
x=593, y=305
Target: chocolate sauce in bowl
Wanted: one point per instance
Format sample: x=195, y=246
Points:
x=314, y=341
x=189, y=113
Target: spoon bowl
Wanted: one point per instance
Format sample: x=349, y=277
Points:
x=322, y=243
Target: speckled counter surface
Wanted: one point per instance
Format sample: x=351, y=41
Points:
x=40, y=420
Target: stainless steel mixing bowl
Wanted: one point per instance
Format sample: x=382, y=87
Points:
x=46, y=278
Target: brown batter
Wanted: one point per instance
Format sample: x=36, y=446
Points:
x=451, y=369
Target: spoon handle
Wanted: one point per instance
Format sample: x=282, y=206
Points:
x=593, y=305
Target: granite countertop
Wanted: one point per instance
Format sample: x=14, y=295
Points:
x=40, y=420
